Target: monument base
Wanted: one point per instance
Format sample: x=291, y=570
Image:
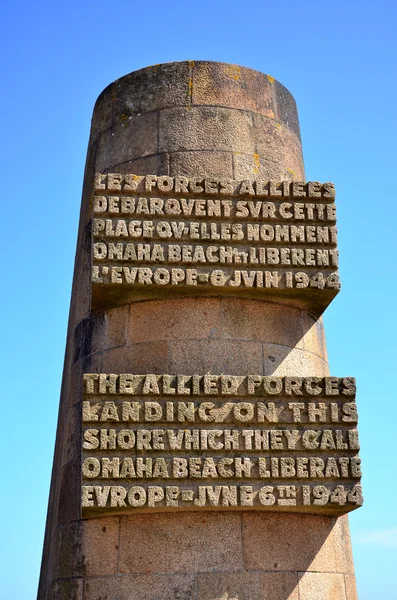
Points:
x=206, y=556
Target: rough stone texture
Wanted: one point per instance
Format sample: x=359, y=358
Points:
x=181, y=322
x=317, y=553
x=282, y=360
x=247, y=586
x=101, y=534
x=253, y=166
x=214, y=164
x=314, y=335
x=206, y=128
x=215, y=356
x=343, y=550
x=67, y=589
x=260, y=321
x=125, y=141
x=219, y=120
x=350, y=585
x=232, y=86
x=181, y=543
x=181, y=586
x=321, y=586
x=155, y=164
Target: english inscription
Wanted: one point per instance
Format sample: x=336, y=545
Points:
x=193, y=442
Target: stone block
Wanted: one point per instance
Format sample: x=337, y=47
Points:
x=180, y=543
x=127, y=140
x=156, y=164
x=118, y=360
x=233, y=86
x=273, y=542
x=152, y=88
x=212, y=164
x=262, y=321
x=284, y=360
x=287, y=113
x=174, y=319
x=206, y=128
x=67, y=589
x=89, y=336
x=137, y=358
x=71, y=444
x=253, y=166
x=321, y=586
x=100, y=542
x=313, y=335
x=342, y=544
x=94, y=335
x=69, y=508
x=247, y=586
x=292, y=154
x=102, y=115
x=351, y=589
x=275, y=142
x=215, y=356
x=116, y=326
x=68, y=550
x=179, y=586
x=91, y=364
x=268, y=139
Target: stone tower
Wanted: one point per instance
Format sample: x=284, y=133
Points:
x=204, y=262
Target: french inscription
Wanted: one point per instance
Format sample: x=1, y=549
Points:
x=151, y=234
x=200, y=441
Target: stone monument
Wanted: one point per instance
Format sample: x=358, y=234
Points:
x=203, y=450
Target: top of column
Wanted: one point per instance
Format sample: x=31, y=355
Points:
x=200, y=191
x=246, y=120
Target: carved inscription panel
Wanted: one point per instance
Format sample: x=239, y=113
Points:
x=191, y=442
x=162, y=236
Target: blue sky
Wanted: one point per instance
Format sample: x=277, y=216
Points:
x=338, y=59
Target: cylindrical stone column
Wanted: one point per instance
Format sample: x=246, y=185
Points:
x=218, y=120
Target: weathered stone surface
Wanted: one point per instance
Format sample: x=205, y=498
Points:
x=180, y=322
x=206, y=128
x=72, y=440
x=350, y=585
x=67, y=589
x=128, y=140
x=260, y=321
x=69, y=558
x=268, y=139
x=158, y=164
x=141, y=357
x=69, y=506
x=232, y=86
x=287, y=113
x=321, y=586
x=194, y=543
x=263, y=551
x=116, y=327
x=216, y=356
x=252, y=166
x=313, y=335
x=284, y=360
x=248, y=586
x=181, y=586
x=214, y=164
x=100, y=546
x=343, y=550
x=153, y=88
x=276, y=143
